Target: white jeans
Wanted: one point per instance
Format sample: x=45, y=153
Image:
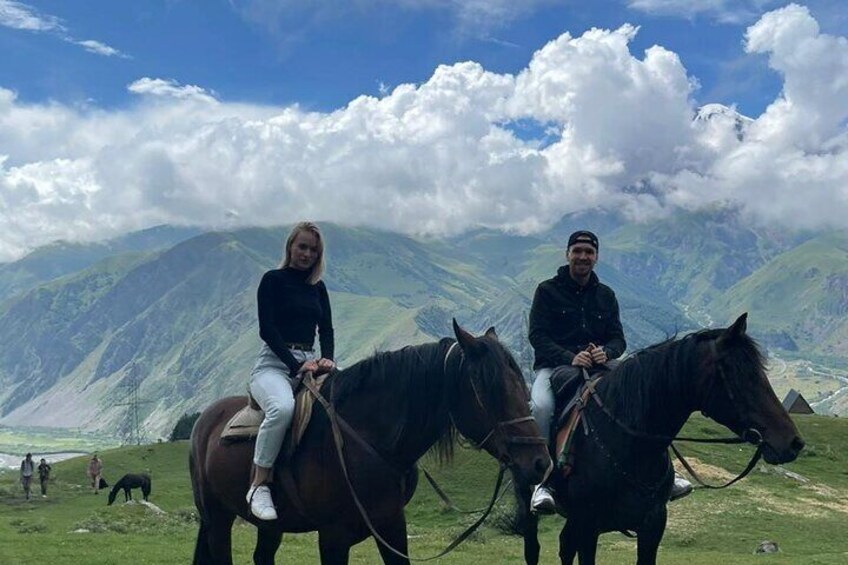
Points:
x=542, y=402
x=270, y=386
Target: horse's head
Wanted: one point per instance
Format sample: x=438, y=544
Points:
x=491, y=406
x=737, y=394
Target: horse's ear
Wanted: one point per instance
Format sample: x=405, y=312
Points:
x=738, y=328
x=466, y=341
x=491, y=333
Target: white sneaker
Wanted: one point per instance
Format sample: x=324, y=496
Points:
x=260, y=502
x=542, y=501
x=680, y=488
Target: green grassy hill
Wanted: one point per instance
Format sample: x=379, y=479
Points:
x=801, y=293
x=807, y=519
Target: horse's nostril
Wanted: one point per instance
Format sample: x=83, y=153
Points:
x=541, y=465
x=798, y=444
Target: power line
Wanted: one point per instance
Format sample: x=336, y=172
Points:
x=131, y=382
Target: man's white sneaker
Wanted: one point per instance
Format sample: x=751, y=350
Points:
x=680, y=488
x=542, y=501
x=261, y=504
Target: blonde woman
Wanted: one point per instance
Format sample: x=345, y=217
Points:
x=293, y=303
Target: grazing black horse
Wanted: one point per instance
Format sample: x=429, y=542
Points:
x=128, y=482
x=622, y=474
x=400, y=403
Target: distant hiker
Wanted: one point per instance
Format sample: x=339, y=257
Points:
x=44, y=475
x=27, y=470
x=292, y=303
x=95, y=469
x=574, y=323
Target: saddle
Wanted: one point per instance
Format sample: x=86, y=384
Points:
x=572, y=390
x=244, y=425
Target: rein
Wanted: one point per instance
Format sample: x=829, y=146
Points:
x=750, y=435
x=337, y=423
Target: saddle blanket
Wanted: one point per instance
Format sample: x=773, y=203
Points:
x=244, y=425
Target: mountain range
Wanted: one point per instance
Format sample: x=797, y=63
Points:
x=168, y=314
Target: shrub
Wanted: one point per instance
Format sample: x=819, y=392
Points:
x=182, y=430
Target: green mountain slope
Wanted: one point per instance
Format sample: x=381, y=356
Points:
x=181, y=321
x=64, y=258
x=801, y=294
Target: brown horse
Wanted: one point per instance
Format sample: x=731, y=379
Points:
x=622, y=475
x=400, y=403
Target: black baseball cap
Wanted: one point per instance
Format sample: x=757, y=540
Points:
x=583, y=236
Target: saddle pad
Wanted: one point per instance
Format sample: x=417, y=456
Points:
x=573, y=417
x=303, y=408
x=244, y=425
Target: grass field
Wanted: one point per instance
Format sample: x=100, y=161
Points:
x=808, y=520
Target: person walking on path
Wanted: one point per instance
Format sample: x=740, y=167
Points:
x=44, y=469
x=95, y=470
x=27, y=470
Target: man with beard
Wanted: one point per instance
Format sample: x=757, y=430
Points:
x=574, y=323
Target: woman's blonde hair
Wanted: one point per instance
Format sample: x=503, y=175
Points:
x=318, y=267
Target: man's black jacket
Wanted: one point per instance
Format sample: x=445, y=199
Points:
x=565, y=318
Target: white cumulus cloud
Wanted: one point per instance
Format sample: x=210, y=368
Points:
x=444, y=155
x=169, y=88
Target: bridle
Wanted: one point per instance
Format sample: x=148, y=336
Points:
x=497, y=431
x=749, y=435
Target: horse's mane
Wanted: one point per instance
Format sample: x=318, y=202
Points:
x=630, y=389
x=413, y=377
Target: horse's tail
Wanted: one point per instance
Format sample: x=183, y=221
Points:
x=196, y=455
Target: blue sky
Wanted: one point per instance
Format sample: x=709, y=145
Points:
x=422, y=116
x=326, y=54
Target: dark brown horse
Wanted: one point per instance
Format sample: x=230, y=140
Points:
x=401, y=403
x=622, y=474
x=129, y=482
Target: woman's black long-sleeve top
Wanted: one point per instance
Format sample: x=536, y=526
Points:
x=290, y=309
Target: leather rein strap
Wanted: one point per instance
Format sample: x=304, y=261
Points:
x=337, y=423
x=750, y=435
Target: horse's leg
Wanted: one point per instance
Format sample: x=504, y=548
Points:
x=334, y=546
x=569, y=541
x=649, y=537
x=527, y=523
x=394, y=532
x=267, y=543
x=214, y=540
x=588, y=546
x=202, y=554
